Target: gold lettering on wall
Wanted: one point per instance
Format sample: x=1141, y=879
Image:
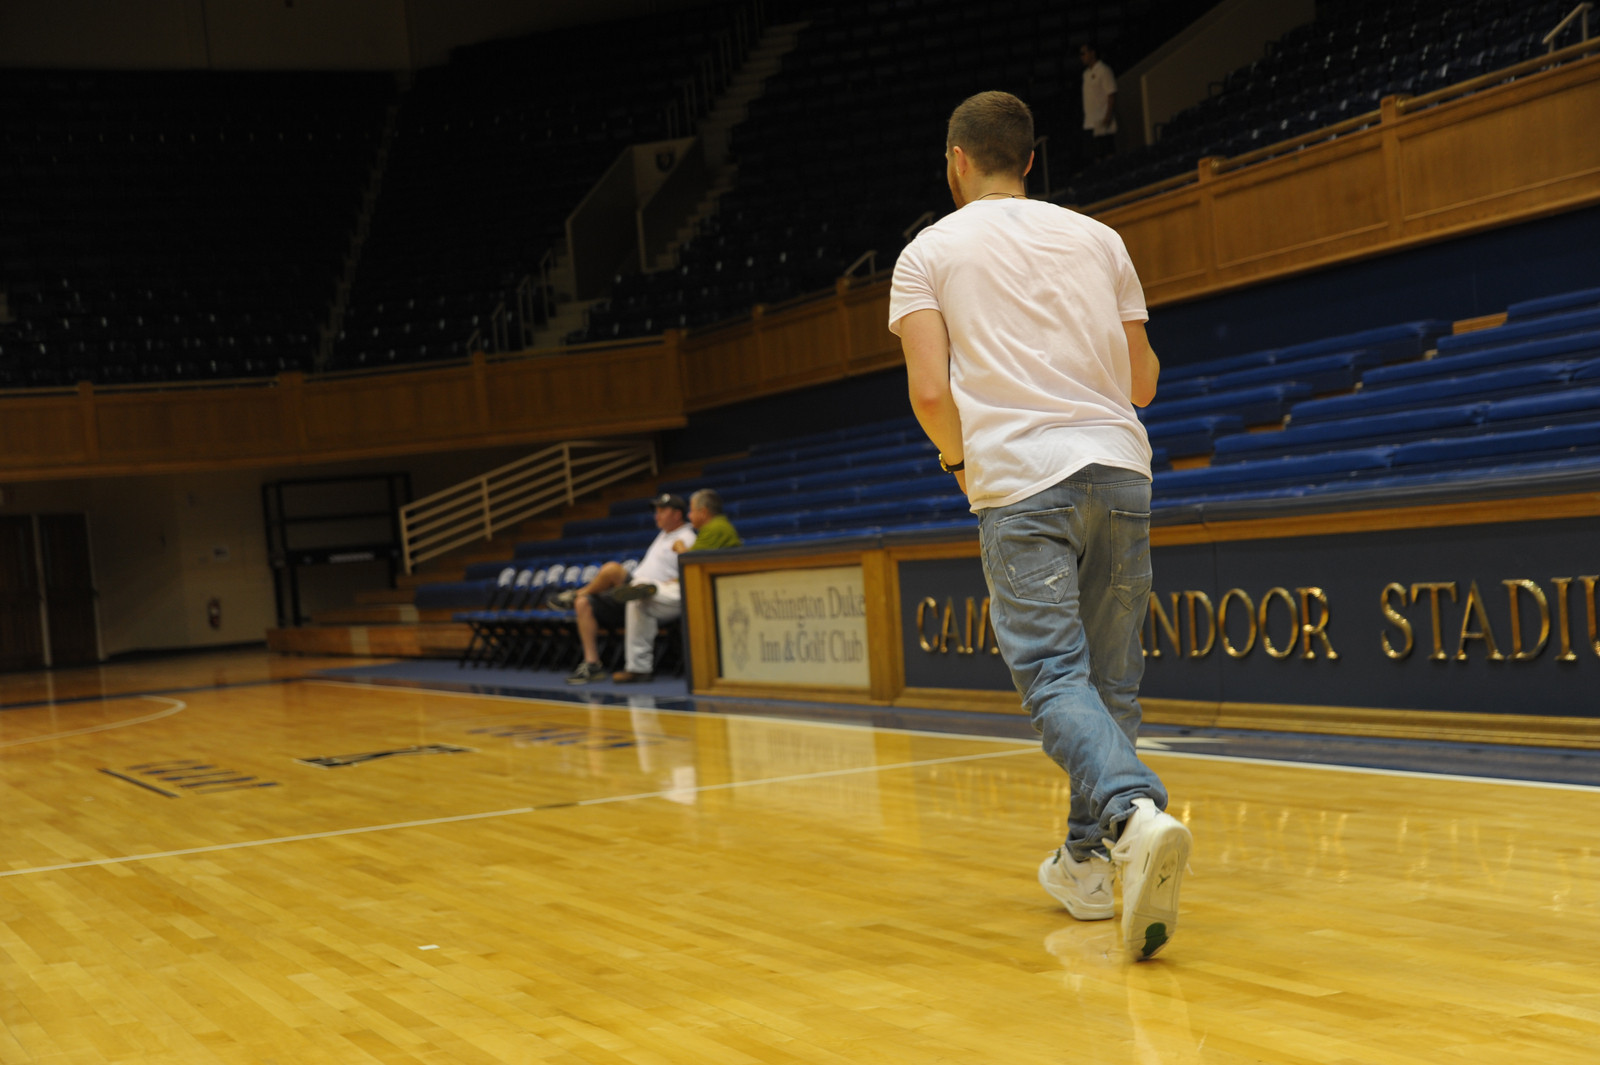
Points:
x=972, y=616
x=1517, y=652
x=1318, y=630
x=1266, y=639
x=1190, y=599
x=1161, y=621
x=1564, y=619
x=947, y=628
x=1222, y=622
x=1398, y=620
x=937, y=629
x=1588, y=602
x=1433, y=588
x=1474, y=611
x=928, y=644
x=986, y=628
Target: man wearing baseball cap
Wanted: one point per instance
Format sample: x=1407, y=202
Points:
x=606, y=599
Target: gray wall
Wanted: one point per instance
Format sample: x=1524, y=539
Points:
x=1231, y=35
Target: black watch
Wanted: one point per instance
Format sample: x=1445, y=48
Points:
x=951, y=467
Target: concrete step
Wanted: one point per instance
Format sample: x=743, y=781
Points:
x=387, y=614
x=427, y=640
x=382, y=596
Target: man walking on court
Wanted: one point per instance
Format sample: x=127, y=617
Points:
x=1023, y=326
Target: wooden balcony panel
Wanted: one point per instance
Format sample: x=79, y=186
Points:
x=192, y=426
x=722, y=366
x=595, y=392
x=41, y=432
x=802, y=347
x=367, y=413
x=1329, y=201
x=1168, y=241
x=1523, y=151
x=870, y=345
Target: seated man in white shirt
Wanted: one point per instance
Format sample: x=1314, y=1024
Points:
x=602, y=600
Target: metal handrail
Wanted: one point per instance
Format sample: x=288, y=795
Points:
x=1256, y=155
x=547, y=265
x=552, y=477
x=1405, y=105
x=869, y=257
x=499, y=322
x=1188, y=177
x=525, y=316
x=916, y=223
x=1581, y=12
x=1495, y=77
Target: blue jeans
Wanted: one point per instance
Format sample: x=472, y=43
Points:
x=1069, y=583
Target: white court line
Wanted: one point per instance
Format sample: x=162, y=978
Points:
x=486, y=815
x=177, y=706
x=1414, y=774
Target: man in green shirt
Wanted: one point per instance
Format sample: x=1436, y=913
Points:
x=713, y=530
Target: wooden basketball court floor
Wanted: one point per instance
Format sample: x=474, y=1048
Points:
x=181, y=882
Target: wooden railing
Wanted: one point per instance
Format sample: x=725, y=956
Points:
x=1471, y=157
x=553, y=477
x=486, y=401
x=1479, y=154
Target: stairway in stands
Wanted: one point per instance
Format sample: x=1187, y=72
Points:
x=386, y=623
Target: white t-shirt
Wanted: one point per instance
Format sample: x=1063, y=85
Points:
x=1098, y=86
x=1034, y=297
x=660, y=563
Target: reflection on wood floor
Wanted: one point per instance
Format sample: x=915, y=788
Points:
x=493, y=880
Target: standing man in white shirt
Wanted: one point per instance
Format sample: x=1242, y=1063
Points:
x=1023, y=326
x=1099, y=103
x=599, y=602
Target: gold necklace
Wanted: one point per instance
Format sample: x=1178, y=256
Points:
x=1007, y=195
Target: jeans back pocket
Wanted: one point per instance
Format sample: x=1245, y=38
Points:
x=1035, y=553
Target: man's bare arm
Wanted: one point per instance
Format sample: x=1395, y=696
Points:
x=1146, y=367
x=926, y=343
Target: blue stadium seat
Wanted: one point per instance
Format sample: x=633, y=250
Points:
x=1183, y=437
x=1391, y=343
x=1211, y=367
x=1184, y=387
x=1570, y=344
x=1437, y=392
x=1362, y=430
x=1324, y=373
x=1552, y=407
x=1548, y=326
x=1565, y=301
x=1253, y=406
x=1288, y=471
x=1589, y=371
x=1581, y=438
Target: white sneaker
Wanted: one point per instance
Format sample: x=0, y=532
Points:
x=1151, y=855
x=1084, y=888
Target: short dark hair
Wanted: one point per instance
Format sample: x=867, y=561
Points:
x=995, y=129
x=709, y=498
